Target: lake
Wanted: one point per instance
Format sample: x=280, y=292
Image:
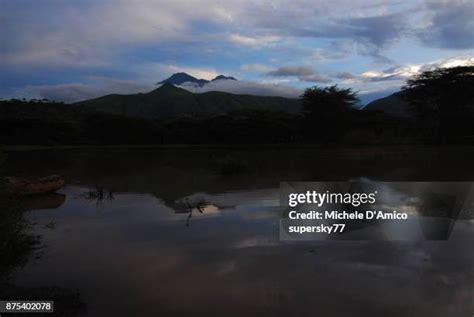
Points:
x=194, y=231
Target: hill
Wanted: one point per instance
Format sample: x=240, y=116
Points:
x=171, y=101
x=393, y=105
x=51, y=123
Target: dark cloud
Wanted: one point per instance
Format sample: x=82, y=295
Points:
x=286, y=71
x=316, y=78
x=451, y=25
x=371, y=34
x=376, y=33
x=77, y=38
x=345, y=76
x=336, y=50
x=303, y=73
x=376, y=23
x=377, y=30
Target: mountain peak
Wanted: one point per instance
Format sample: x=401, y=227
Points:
x=180, y=78
x=222, y=77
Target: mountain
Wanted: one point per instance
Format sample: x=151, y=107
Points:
x=393, y=105
x=170, y=101
x=368, y=97
x=180, y=78
x=222, y=77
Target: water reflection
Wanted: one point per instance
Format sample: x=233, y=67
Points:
x=99, y=196
x=197, y=204
x=209, y=245
x=21, y=244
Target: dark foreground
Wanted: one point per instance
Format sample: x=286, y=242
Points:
x=120, y=239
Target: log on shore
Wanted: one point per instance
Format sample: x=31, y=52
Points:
x=22, y=186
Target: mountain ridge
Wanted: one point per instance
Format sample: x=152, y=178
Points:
x=222, y=77
x=182, y=77
x=170, y=101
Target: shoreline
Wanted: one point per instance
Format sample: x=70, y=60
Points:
x=277, y=146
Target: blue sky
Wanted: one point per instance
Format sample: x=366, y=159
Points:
x=73, y=50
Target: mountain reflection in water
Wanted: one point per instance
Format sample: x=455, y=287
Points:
x=168, y=232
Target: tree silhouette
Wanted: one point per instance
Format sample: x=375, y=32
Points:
x=327, y=111
x=317, y=100
x=443, y=100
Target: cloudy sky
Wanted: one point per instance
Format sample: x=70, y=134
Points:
x=72, y=50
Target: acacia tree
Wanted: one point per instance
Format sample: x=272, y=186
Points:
x=443, y=100
x=328, y=100
x=327, y=111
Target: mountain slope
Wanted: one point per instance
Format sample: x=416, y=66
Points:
x=170, y=101
x=393, y=105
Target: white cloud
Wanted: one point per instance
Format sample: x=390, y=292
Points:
x=253, y=41
x=100, y=86
x=246, y=87
x=392, y=73
x=453, y=62
x=255, y=68
x=125, y=34
x=403, y=72
x=72, y=92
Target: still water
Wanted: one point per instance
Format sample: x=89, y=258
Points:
x=194, y=232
